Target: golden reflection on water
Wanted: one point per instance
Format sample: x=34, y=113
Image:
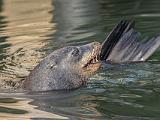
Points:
x=23, y=105
x=27, y=24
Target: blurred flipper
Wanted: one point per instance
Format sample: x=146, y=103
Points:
x=123, y=45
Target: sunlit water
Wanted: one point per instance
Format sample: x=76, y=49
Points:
x=30, y=30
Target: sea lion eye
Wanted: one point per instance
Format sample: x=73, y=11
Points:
x=75, y=52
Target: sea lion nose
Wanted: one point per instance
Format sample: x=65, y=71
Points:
x=92, y=45
x=96, y=44
x=97, y=49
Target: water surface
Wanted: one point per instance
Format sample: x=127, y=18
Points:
x=30, y=30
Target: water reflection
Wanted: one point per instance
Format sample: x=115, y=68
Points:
x=26, y=29
x=144, y=12
x=73, y=24
x=19, y=108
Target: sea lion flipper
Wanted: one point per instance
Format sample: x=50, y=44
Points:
x=114, y=36
x=123, y=44
x=130, y=49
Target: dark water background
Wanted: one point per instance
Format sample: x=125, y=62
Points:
x=31, y=29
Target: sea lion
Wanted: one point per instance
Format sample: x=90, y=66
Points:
x=66, y=68
x=71, y=66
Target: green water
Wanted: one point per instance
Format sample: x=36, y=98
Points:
x=30, y=30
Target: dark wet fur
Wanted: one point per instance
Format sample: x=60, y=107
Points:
x=122, y=45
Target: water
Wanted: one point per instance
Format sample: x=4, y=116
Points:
x=30, y=30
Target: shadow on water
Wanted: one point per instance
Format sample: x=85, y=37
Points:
x=30, y=30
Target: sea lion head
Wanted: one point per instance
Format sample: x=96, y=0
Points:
x=84, y=58
x=65, y=68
